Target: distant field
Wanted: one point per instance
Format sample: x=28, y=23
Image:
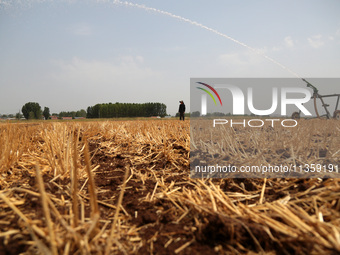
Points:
x=85, y=119
x=123, y=187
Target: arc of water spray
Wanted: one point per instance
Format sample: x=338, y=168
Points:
x=207, y=28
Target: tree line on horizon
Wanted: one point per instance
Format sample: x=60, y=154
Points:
x=32, y=110
x=117, y=110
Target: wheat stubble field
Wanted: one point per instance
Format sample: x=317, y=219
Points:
x=123, y=187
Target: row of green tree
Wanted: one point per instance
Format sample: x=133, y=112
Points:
x=117, y=110
x=32, y=110
x=73, y=114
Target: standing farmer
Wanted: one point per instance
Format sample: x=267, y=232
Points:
x=181, y=110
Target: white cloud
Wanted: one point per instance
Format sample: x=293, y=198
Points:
x=316, y=41
x=140, y=59
x=337, y=33
x=289, y=43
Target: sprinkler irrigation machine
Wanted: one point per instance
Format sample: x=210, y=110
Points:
x=328, y=115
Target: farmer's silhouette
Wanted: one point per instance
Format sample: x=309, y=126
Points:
x=181, y=110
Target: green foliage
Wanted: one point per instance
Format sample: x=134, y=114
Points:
x=31, y=110
x=195, y=114
x=67, y=114
x=46, y=113
x=73, y=114
x=31, y=116
x=18, y=116
x=81, y=113
x=126, y=110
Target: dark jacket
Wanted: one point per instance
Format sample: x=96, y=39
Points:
x=181, y=108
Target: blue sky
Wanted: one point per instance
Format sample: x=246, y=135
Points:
x=68, y=55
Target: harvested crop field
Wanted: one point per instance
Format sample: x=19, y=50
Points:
x=123, y=187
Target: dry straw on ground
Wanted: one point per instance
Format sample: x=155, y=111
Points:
x=123, y=187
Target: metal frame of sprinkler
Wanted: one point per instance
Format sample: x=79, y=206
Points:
x=336, y=114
